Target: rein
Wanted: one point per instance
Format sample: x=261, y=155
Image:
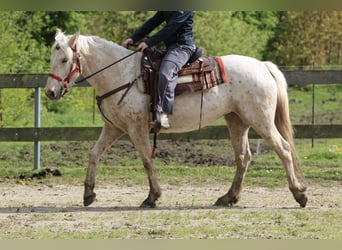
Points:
x=126, y=86
x=110, y=65
x=76, y=60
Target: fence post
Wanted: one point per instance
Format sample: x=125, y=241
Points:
x=313, y=113
x=257, y=151
x=37, y=125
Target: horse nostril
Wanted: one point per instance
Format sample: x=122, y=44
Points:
x=50, y=93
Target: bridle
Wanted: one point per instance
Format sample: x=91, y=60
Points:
x=75, y=68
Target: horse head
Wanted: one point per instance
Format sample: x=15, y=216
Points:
x=65, y=65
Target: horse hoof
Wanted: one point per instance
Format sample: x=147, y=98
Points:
x=148, y=204
x=302, y=201
x=300, y=197
x=87, y=200
x=224, y=202
x=221, y=203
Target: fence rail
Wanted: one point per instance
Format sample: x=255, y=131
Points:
x=211, y=132
x=216, y=132
x=38, y=134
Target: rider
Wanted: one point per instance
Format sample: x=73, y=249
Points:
x=178, y=39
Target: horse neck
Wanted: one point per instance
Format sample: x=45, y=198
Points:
x=101, y=53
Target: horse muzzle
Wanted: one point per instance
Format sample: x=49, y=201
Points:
x=57, y=91
x=54, y=93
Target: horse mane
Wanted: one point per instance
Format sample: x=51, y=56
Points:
x=85, y=42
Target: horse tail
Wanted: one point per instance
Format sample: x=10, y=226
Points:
x=282, y=116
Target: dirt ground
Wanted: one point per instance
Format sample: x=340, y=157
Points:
x=43, y=211
x=17, y=198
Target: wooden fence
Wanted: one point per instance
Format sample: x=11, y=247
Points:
x=213, y=132
x=37, y=133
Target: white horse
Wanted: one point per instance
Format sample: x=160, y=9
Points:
x=255, y=96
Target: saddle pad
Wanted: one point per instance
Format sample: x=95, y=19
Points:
x=202, y=80
x=196, y=81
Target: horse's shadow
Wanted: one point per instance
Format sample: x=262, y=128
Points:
x=75, y=209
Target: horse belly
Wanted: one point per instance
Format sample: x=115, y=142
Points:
x=191, y=112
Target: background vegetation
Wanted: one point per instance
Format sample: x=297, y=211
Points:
x=290, y=39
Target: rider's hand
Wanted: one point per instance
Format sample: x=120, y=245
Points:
x=127, y=42
x=142, y=46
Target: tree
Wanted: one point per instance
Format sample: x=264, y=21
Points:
x=15, y=53
x=26, y=38
x=263, y=20
x=14, y=43
x=219, y=32
x=42, y=25
x=307, y=38
x=116, y=25
x=224, y=32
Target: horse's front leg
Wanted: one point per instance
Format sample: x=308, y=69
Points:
x=141, y=141
x=108, y=135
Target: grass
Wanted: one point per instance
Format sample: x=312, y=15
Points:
x=328, y=100
x=321, y=163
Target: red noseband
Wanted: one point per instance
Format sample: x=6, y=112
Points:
x=65, y=82
x=66, y=79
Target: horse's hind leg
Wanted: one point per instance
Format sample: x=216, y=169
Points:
x=283, y=150
x=108, y=136
x=239, y=138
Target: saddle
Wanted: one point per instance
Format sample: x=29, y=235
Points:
x=199, y=73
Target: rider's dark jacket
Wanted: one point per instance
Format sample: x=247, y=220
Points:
x=178, y=28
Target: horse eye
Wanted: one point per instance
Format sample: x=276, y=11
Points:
x=64, y=60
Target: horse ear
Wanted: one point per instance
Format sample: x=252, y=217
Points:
x=73, y=40
x=58, y=30
x=61, y=40
x=59, y=34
